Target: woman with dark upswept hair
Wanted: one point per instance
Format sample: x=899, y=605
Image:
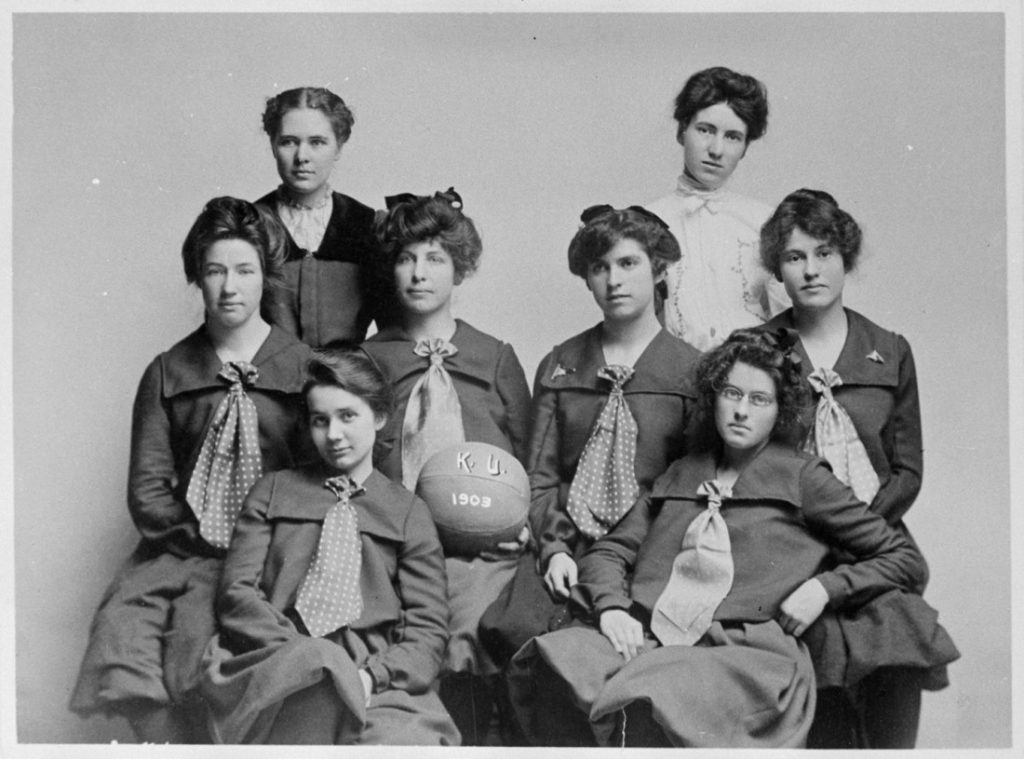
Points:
x=872, y=663
x=611, y=407
x=210, y=415
x=718, y=284
x=432, y=246
x=333, y=282
x=690, y=611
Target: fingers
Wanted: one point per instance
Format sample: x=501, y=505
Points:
x=572, y=575
x=549, y=582
x=791, y=625
x=510, y=547
x=561, y=587
x=554, y=580
x=628, y=641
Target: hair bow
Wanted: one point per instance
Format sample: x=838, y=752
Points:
x=396, y=200
x=593, y=212
x=453, y=198
x=650, y=215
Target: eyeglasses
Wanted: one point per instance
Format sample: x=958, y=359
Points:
x=734, y=394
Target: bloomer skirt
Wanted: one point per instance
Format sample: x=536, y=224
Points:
x=473, y=585
x=522, y=610
x=895, y=629
x=247, y=693
x=147, y=638
x=743, y=685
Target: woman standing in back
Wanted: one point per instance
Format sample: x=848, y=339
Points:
x=332, y=284
x=718, y=284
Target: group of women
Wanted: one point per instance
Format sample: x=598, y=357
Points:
x=715, y=553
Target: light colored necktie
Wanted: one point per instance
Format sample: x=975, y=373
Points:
x=229, y=461
x=835, y=439
x=433, y=416
x=701, y=575
x=329, y=597
x=604, y=487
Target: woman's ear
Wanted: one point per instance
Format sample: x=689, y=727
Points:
x=457, y=278
x=379, y=420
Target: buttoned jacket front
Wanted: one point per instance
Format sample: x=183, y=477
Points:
x=334, y=292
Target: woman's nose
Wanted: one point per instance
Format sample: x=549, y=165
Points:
x=811, y=269
x=301, y=153
x=335, y=430
x=230, y=282
x=419, y=270
x=715, y=145
x=742, y=408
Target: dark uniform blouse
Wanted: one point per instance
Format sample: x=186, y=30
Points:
x=403, y=627
x=569, y=397
x=879, y=392
x=487, y=376
x=786, y=510
x=175, y=404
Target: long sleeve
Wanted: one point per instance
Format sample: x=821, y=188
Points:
x=161, y=516
x=884, y=559
x=603, y=569
x=510, y=382
x=414, y=661
x=901, y=438
x=555, y=530
x=247, y=619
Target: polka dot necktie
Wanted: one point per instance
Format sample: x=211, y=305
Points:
x=433, y=416
x=229, y=461
x=329, y=597
x=604, y=487
x=835, y=439
x=702, y=575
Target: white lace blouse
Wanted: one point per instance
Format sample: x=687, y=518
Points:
x=720, y=283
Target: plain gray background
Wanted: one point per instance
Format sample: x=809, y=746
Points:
x=124, y=125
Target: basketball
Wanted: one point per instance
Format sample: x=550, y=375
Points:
x=478, y=494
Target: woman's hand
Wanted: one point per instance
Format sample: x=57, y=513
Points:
x=625, y=633
x=509, y=549
x=561, y=575
x=367, y=684
x=802, y=607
